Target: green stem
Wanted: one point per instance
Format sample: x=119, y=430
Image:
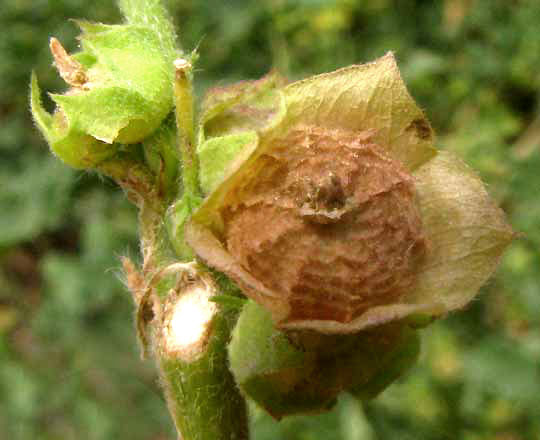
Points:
x=202, y=396
x=183, y=96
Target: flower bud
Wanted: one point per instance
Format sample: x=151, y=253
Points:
x=120, y=91
x=305, y=372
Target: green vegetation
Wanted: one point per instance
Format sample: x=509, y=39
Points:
x=69, y=363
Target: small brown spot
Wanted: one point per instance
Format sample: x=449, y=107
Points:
x=421, y=127
x=70, y=69
x=147, y=312
x=327, y=194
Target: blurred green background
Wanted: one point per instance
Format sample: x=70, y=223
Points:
x=69, y=362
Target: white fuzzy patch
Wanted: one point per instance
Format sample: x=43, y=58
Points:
x=188, y=324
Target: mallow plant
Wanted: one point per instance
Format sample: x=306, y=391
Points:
x=294, y=237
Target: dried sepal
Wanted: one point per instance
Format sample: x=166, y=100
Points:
x=342, y=230
x=369, y=97
x=468, y=232
x=71, y=71
x=244, y=106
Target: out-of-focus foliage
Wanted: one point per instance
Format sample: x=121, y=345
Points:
x=69, y=365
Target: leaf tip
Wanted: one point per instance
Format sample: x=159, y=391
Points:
x=41, y=117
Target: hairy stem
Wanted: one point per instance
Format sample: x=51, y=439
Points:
x=151, y=13
x=202, y=396
x=183, y=95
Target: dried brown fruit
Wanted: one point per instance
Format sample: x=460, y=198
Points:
x=342, y=216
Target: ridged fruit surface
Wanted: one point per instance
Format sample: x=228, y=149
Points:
x=330, y=223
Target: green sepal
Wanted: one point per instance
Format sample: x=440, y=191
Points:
x=72, y=146
x=269, y=368
x=175, y=220
x=161, y=155
x=110, y=114
x=217, y=154
x=119, y=53
x=152, y=14
x=230, y=122
x=129, y=81
x=392, y=364
x=41, y=117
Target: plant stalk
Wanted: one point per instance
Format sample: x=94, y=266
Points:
x=201, y=393
x=183, y=96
